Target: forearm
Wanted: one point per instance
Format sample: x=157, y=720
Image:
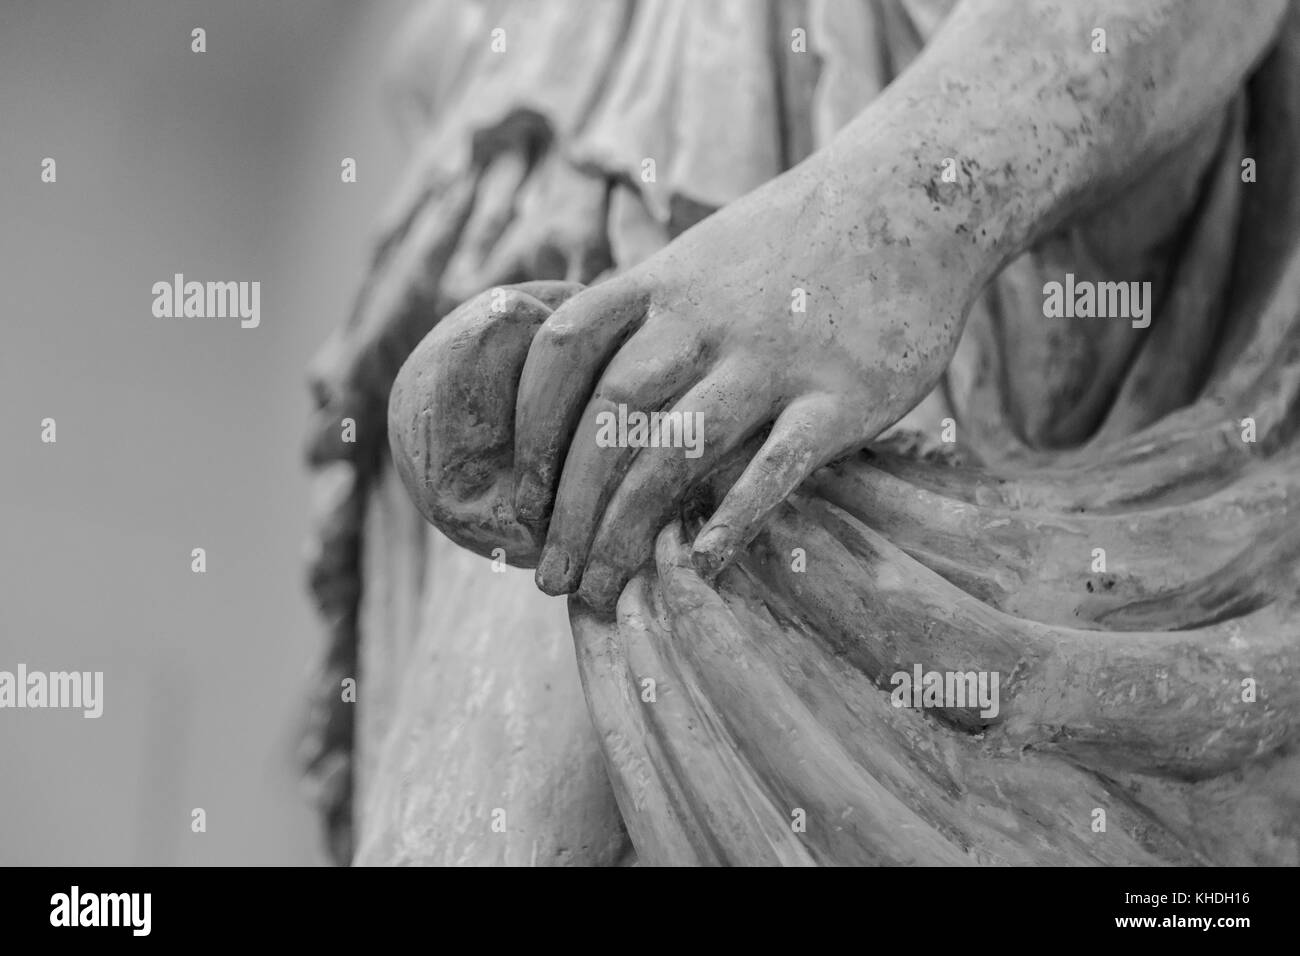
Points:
x=1037, y=124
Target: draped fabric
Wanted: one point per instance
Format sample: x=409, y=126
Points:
x=1159, y=685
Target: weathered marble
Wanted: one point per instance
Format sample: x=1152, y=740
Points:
x=1121, y=689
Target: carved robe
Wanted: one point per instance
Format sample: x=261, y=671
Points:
x=750, y=720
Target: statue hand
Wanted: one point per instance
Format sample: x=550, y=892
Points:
x=774, y=316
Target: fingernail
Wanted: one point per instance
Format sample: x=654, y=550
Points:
x=711, y=552
x=528, y=499
x=553, y=571
x=600, y=586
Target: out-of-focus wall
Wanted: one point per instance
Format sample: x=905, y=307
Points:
x=172, y=434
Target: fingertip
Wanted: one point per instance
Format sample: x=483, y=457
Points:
x=601, y=586
x=529, y=499
x=554, y=575
x=713, y=550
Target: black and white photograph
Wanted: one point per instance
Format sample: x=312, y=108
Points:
x=651, y=433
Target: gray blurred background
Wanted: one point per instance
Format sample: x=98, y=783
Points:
x=172, y=434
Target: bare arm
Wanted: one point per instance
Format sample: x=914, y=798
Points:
x=890, y=257
x=1039, y=123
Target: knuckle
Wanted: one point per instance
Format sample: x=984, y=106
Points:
x=619, y=388
x=556, y=335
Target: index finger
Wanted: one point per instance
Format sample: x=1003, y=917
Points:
x=564, y=362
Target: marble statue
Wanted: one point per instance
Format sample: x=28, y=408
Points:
x=987, y=317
